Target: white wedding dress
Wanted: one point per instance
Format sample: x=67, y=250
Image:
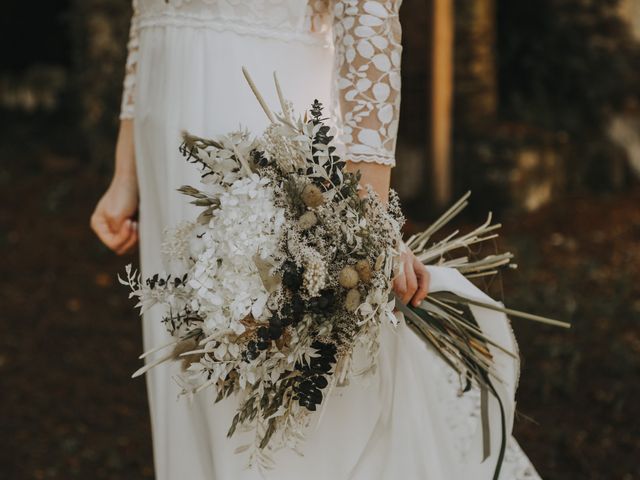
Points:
x=184, y=73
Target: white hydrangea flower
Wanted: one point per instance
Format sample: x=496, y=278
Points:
x=224, y=277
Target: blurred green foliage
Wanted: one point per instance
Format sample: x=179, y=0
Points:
x=565, y=64
x=569, y=66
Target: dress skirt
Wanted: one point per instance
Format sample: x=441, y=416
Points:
x=407, y=421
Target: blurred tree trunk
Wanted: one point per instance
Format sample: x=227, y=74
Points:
x=441, y=98
x=475, y=65
x=630, y=11
x=100, y=30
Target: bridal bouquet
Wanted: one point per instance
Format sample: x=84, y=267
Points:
x=287, y=270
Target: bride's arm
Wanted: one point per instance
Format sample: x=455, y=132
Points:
x=367, y=39
x=113, y=219
x=367, y=42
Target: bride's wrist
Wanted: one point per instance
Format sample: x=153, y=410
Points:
x=125, y=161
x=125, y=178
x=375, y=175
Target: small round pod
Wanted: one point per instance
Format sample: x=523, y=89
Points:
x=363, y=267
x=352, y=300
x=348, y=277
x=307, y=220
x=312, y=196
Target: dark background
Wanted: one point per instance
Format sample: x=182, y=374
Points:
x=537, y=87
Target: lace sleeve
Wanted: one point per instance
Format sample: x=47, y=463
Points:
x=367, y=41
x=128, y=95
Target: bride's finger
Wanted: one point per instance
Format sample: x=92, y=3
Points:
x=412, y=281
x=423, y=283
x=400, y=282
x=113, y=240
x=122, y=236
x=131, y=241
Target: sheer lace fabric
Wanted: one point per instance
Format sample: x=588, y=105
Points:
x=366, y=38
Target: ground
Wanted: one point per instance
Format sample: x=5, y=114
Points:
x=69, y=339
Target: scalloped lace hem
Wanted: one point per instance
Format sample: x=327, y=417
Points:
x=367, y=158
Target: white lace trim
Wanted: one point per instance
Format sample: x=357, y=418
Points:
x=462, y=417
x=221, y=24
x=370, y=158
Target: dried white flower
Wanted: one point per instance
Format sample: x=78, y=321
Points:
x=289, y=152
x=314, y=273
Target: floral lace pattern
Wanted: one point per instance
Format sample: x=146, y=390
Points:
x=367, y=42
x=366, y=37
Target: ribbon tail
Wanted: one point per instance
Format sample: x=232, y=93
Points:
x=484, y=416
x=503, y=442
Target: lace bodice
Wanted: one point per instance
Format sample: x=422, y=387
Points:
x=365, y=35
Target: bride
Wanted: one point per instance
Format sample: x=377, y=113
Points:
x=410, y=420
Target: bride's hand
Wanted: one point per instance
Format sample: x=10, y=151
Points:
x=412, y=281
x=113, y=219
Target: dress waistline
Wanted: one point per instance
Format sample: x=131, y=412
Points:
x=234, y=25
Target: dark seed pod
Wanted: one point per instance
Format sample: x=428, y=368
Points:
x=251, y=354
x=259, y=158
x=306, y=385
x=292, y=276
x=297, y=306
x=292, y=280
x=275, y=331
x=263, y=333
x=315, y=396
x=324, y=303
x=286, y=311
x=320, y=382
x=275, y=321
